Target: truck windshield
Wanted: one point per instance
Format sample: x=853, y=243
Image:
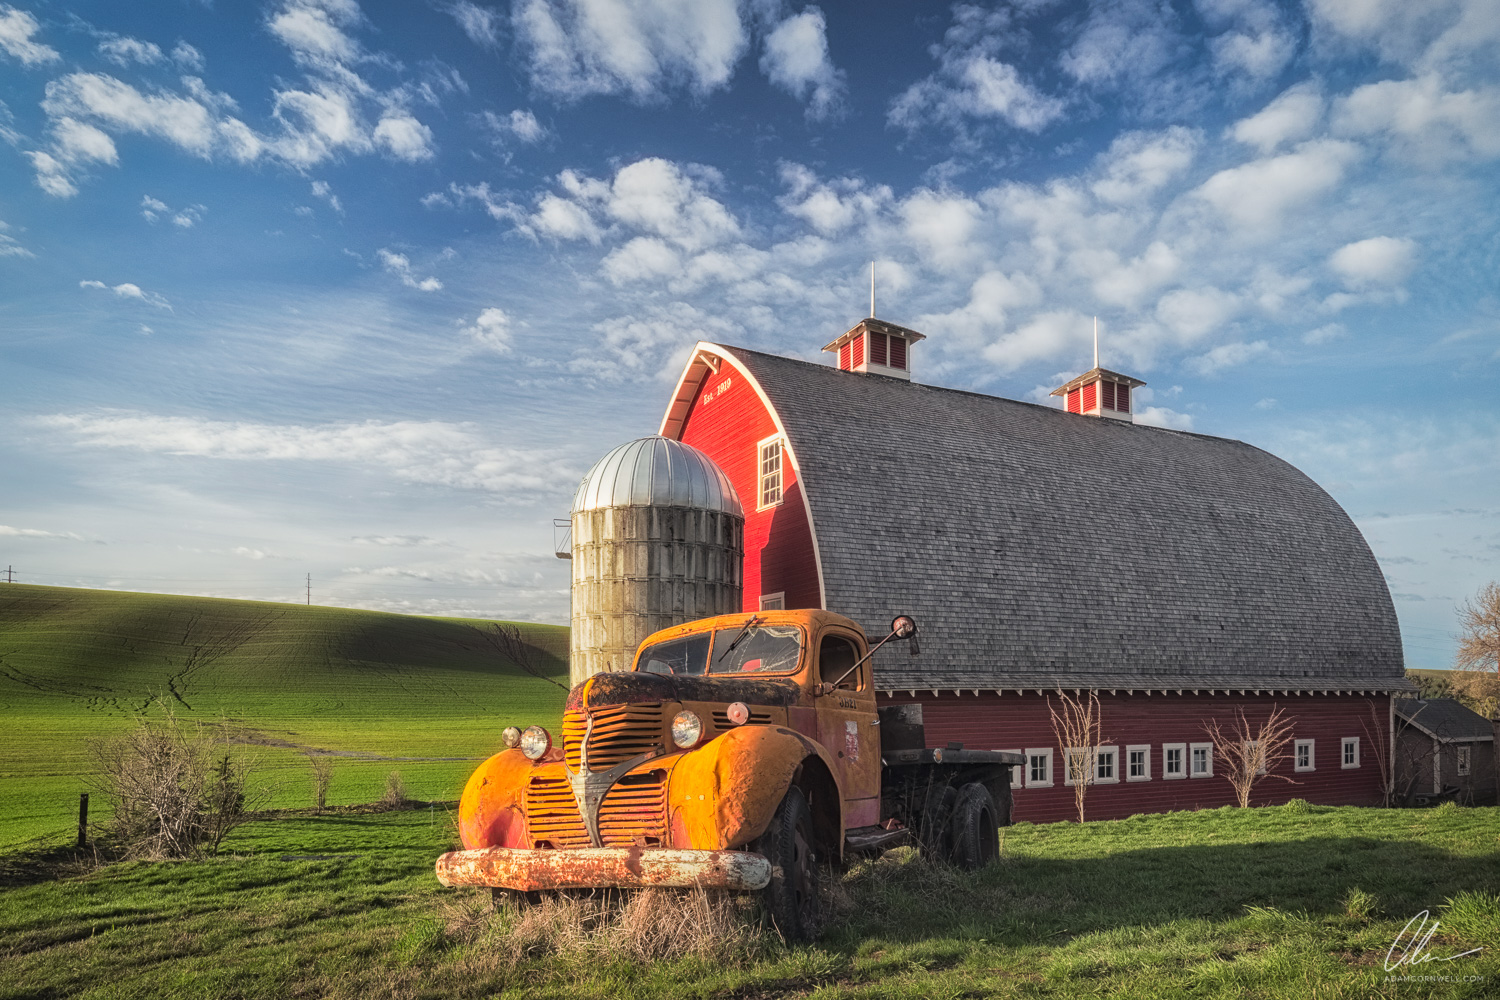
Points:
x=687, y=655
x=773, y=649
x=767, y=649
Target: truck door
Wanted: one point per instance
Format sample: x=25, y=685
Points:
x=846, y=726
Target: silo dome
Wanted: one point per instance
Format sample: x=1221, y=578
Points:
x=658, y=540
x=657, y=472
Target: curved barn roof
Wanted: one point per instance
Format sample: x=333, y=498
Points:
x=1040, y=549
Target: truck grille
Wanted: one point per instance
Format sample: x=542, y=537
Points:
x=620, y=733
x=722, y=723
x=633, y=813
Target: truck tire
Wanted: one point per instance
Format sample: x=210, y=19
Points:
x=976, y=829
x=935, y=832
x=792, y=898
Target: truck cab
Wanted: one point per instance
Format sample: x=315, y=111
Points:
x=741, y=751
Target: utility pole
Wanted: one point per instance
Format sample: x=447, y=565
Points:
x=10, y=576
x=309, y=590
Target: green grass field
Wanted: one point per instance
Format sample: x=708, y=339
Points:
x=1282, y=902
x=425, y=696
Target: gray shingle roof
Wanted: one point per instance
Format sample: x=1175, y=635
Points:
x=1038, y=548
x=1445, y=718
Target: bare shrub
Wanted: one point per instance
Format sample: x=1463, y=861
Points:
x=174, y=792
x=1250, y=753
x=1078, y=727
x=322, y=775
x=395, y=791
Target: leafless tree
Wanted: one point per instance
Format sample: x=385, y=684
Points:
x=1378, y=732
x=322, y=773
x=506, y=640
x=1249, y=753
x=1477, y=677
x=175, y=792
x=1078, y=726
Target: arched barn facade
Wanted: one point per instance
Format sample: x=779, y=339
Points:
x=1181, y=577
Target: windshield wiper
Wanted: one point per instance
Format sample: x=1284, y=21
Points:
x=754, y=621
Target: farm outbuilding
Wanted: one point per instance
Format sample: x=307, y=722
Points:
x=1182, y=578
x=1444, y=749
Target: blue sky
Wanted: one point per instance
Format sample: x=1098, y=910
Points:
x=360, y=290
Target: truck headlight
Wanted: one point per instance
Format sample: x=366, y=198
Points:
x=535, y=742
x=687, y=729
x=511, y=737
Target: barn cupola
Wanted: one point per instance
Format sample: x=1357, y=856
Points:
x=876, y=347
x=1099, y=392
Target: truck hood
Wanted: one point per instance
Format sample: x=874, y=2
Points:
x=632, y=688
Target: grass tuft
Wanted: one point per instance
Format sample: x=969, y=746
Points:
x=1360, y=905
x=1473, y=917
x=1297, y=807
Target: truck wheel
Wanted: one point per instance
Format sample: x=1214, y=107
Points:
x=934, y=833
x=792, y=897
x=976, y=831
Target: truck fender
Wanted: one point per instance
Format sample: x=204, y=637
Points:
x=491, y=812
x=724, y=795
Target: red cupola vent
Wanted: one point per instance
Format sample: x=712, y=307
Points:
x=876, y=347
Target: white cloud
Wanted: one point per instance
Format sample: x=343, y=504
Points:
x=16, y=30
x=833, y=206
x=1228, y=356
x=6, y=531
x=993, y=297
x=402, y=541
x=10, y=246
x=51, y=174
x=971, y=83
x=519, y=124
x=313, y=30
x=184, y=123
x=123, y=51
x=481, y=24
x=1380, y=260
x=796, y=60
x=1432, y=35
x=1324, y=334
x=942, y=225
x=1129, y=46
x=1047, y=335
x=1256, y=43
x=1422, y=121
x=428, y=452
x=564, y=220
x=1196, y=312
x=76, y=142
x=576, y=48
x=320, y=189
x=1140, y=163
x=1291, y=117
x=1161, y=416
x=187, y=57
x=491, y=329
x=404, y=137
x=1257, y=194
x=644, y=258
x=400, y=266
x=655, y=197
x=129, y=290
x=152, y=208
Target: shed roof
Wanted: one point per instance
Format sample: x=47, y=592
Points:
x=1039, y=549
x=1445, y=718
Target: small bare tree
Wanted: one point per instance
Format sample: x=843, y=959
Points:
x=175, y=793
x=1078, y=726
x=1248, y=753
x=322, y=774
x=1477, y=677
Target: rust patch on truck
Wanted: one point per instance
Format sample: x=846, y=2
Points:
x=622, y=867
x=631, y=688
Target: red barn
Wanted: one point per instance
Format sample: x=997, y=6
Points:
x=1182, y=577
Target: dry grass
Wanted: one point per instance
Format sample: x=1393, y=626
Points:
x=582, y=929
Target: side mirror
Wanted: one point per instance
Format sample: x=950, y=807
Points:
x=903, y=626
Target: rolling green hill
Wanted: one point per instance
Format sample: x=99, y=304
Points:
x=425, y=696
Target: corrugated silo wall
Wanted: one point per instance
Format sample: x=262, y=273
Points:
x=639, y=569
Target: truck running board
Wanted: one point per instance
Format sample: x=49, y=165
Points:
x=875, y=838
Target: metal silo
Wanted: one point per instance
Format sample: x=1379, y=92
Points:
x=658, y=539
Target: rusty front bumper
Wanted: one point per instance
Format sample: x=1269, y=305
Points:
x=600, y=867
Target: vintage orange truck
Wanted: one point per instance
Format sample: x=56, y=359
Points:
x=742, y=752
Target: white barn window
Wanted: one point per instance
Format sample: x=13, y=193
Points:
x=1138, y=763
x=1106, y=765
x=1350, y=752
x=1039, y=767
x=773, y=602
x=1302, y=756
x=1017, y=774
x=770, y=472
x=1201, y=761
x=1174, y=760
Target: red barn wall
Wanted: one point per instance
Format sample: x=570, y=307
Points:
x=1021, y=722
x=727, y=421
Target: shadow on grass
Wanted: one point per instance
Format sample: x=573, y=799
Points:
x=1030, y=900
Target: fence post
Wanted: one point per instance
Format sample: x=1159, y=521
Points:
x=83, y=820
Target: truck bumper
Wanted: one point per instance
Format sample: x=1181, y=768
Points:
x=603, y=867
